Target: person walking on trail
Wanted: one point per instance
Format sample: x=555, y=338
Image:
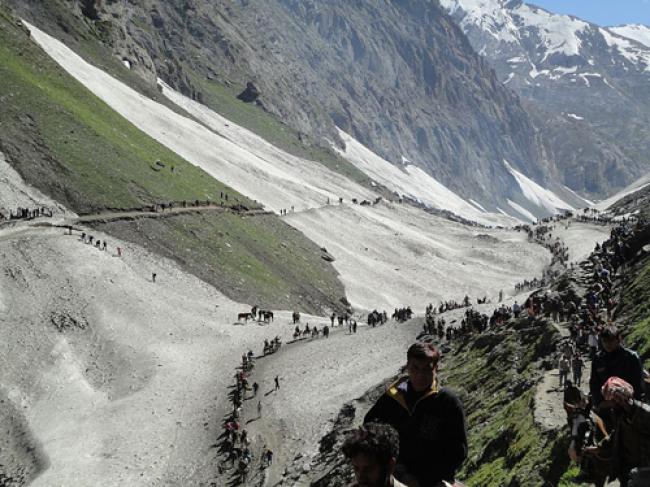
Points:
x=373, y=450
x=256, y=387
x=259, y=409
x=430, y=421
x=268, y=456
x=592, y=341
x=577, y=364
x=565, y=367
x=153, y=277
x=277, y=382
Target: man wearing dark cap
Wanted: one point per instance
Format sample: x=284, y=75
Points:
x=430, y=421
x=614, y=360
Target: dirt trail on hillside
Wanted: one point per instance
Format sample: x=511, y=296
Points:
x=580, y=239
x=134, y=214
x=549, y=412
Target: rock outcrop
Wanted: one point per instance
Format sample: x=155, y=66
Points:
x=250, y=94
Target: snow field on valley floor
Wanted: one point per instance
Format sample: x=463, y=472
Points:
x=392, y=255
x=131, y=399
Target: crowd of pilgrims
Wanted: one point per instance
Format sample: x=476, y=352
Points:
x=234, y=443
x=611, y=421
x=473, y=321
x=584, y=321
x=617, y=388
x=26, y=213
x=587, y=316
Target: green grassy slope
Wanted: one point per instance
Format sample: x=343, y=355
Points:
x=495, y=376
x=636, y=305
x=259, y=260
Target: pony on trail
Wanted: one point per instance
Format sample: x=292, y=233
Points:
x=272, y=346
x=265, y=315
x=244, y=316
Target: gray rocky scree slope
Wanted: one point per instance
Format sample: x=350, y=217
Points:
x=587, y=86
x=400, y=76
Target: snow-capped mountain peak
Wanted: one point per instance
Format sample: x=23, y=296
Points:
x=637, y=32
x=546, y=39
x=586, y=83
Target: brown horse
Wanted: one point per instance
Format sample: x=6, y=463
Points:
x=244, y=316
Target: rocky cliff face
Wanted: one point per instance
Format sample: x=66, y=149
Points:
x=399, y=76
x=587, y=85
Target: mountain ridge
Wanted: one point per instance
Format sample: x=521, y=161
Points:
x=584, y=85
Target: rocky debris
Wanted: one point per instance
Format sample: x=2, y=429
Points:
x=250, y=94
x=90, y=9
x=21, y=456
x=486, y=238
x=15, y=274
x=327, y=257
x=64, y=321
x=18, y=479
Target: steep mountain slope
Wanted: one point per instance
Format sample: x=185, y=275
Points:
x=406, y=84
x=587, y=85
x=60, y=138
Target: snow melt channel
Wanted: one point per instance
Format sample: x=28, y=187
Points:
x=536, y=194
x=413, y=182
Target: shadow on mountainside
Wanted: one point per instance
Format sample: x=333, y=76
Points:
x=21, y=455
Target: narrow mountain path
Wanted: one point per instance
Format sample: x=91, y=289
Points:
x=548, y=411
x=125, y=215
x=108, y=216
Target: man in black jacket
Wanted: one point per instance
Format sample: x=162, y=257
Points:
x=614, y=360
x=430, y=422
